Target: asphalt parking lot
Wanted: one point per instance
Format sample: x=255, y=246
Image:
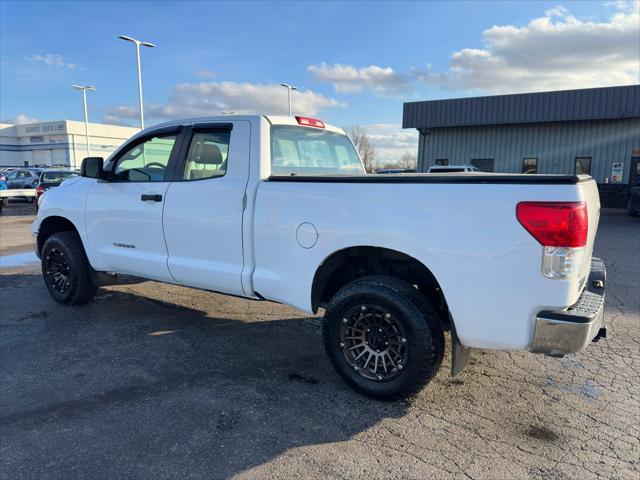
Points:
x=158, y=381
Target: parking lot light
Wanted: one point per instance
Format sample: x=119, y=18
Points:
x=138, y=43
x=84, y=89
x=289, y=88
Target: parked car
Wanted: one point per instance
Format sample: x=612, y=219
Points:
x=452, y=169
x=24, y=178
x=3, y=186
x=52, y=178
x=280, y=208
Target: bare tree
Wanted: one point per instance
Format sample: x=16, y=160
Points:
x=407, y=160
x=360, y=139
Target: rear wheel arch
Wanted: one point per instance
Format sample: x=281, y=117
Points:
x=349, y=264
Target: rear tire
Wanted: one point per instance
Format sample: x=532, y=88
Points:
x=66, y=270
x=384, y=319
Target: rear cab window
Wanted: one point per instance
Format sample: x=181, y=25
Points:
x=297, y=150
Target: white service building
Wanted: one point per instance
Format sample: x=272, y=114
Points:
x=61, y=143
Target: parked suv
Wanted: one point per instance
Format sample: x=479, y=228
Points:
x=52, y=178
x=24, y=178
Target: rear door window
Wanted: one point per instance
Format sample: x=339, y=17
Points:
x=208, y=155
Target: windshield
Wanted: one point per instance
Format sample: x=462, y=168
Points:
x=312, y=151
x=57, y=176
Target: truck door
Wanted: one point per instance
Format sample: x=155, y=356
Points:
x=124, y=214
x=204, y=207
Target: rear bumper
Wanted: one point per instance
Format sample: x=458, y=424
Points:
x=570, y=330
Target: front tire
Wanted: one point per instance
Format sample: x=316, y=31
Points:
x=383, y=338
x=66, y=270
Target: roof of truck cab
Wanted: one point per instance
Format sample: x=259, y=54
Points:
x=273, y=119
x=285, y=120
x=209, y=119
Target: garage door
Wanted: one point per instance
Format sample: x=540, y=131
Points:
x=42, y=158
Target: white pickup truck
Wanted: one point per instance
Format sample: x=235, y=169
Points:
x=281, y=209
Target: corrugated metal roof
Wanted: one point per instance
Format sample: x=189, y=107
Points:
x=559, y=106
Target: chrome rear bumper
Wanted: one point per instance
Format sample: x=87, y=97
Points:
x=572, y=329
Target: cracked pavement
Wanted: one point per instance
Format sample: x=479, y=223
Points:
x=159, y=381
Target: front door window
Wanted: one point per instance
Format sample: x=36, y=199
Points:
x=146, y=161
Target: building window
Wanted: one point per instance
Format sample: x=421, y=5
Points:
x=483, y=164
x=583, y=166
x=36, y=139
x=529, y=165
x=442, y=161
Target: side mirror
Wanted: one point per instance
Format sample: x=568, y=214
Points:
x=92, y=167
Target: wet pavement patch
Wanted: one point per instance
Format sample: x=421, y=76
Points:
x=542, y=433
x=302, y=378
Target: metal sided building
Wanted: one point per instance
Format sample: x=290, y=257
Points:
x=594, y=131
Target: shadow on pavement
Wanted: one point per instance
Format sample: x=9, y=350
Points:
x=130, y=387
x=18, y=207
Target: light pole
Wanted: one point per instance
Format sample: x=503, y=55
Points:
x=84, y=89
x=289, y=88
x=144, y=44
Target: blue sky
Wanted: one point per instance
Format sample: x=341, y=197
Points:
x=355, y=62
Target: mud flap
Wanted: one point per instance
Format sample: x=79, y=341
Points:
x=459, y=353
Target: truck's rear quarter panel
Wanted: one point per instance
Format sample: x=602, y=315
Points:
x=487, y=264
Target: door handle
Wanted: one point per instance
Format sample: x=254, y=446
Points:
x=154, y=197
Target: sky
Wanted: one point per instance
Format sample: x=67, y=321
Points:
x=355, y=63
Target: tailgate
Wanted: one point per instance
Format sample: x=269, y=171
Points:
x=589, y=192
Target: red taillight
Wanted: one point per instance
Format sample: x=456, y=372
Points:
x=310, y=122
x=555, y=224
x=40, y=190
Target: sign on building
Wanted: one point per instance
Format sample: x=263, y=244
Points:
x=617, y=171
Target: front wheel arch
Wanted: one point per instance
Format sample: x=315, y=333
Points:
x=51, y=225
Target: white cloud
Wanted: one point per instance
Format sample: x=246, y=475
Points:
x=52, y=60
x=206, y=74
x=555, y=51
x=552, y=52
x=212, y=98
x=391, y=142
x=111, y=119
x=350, y=79
x=21, y=119
x=557, y=11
